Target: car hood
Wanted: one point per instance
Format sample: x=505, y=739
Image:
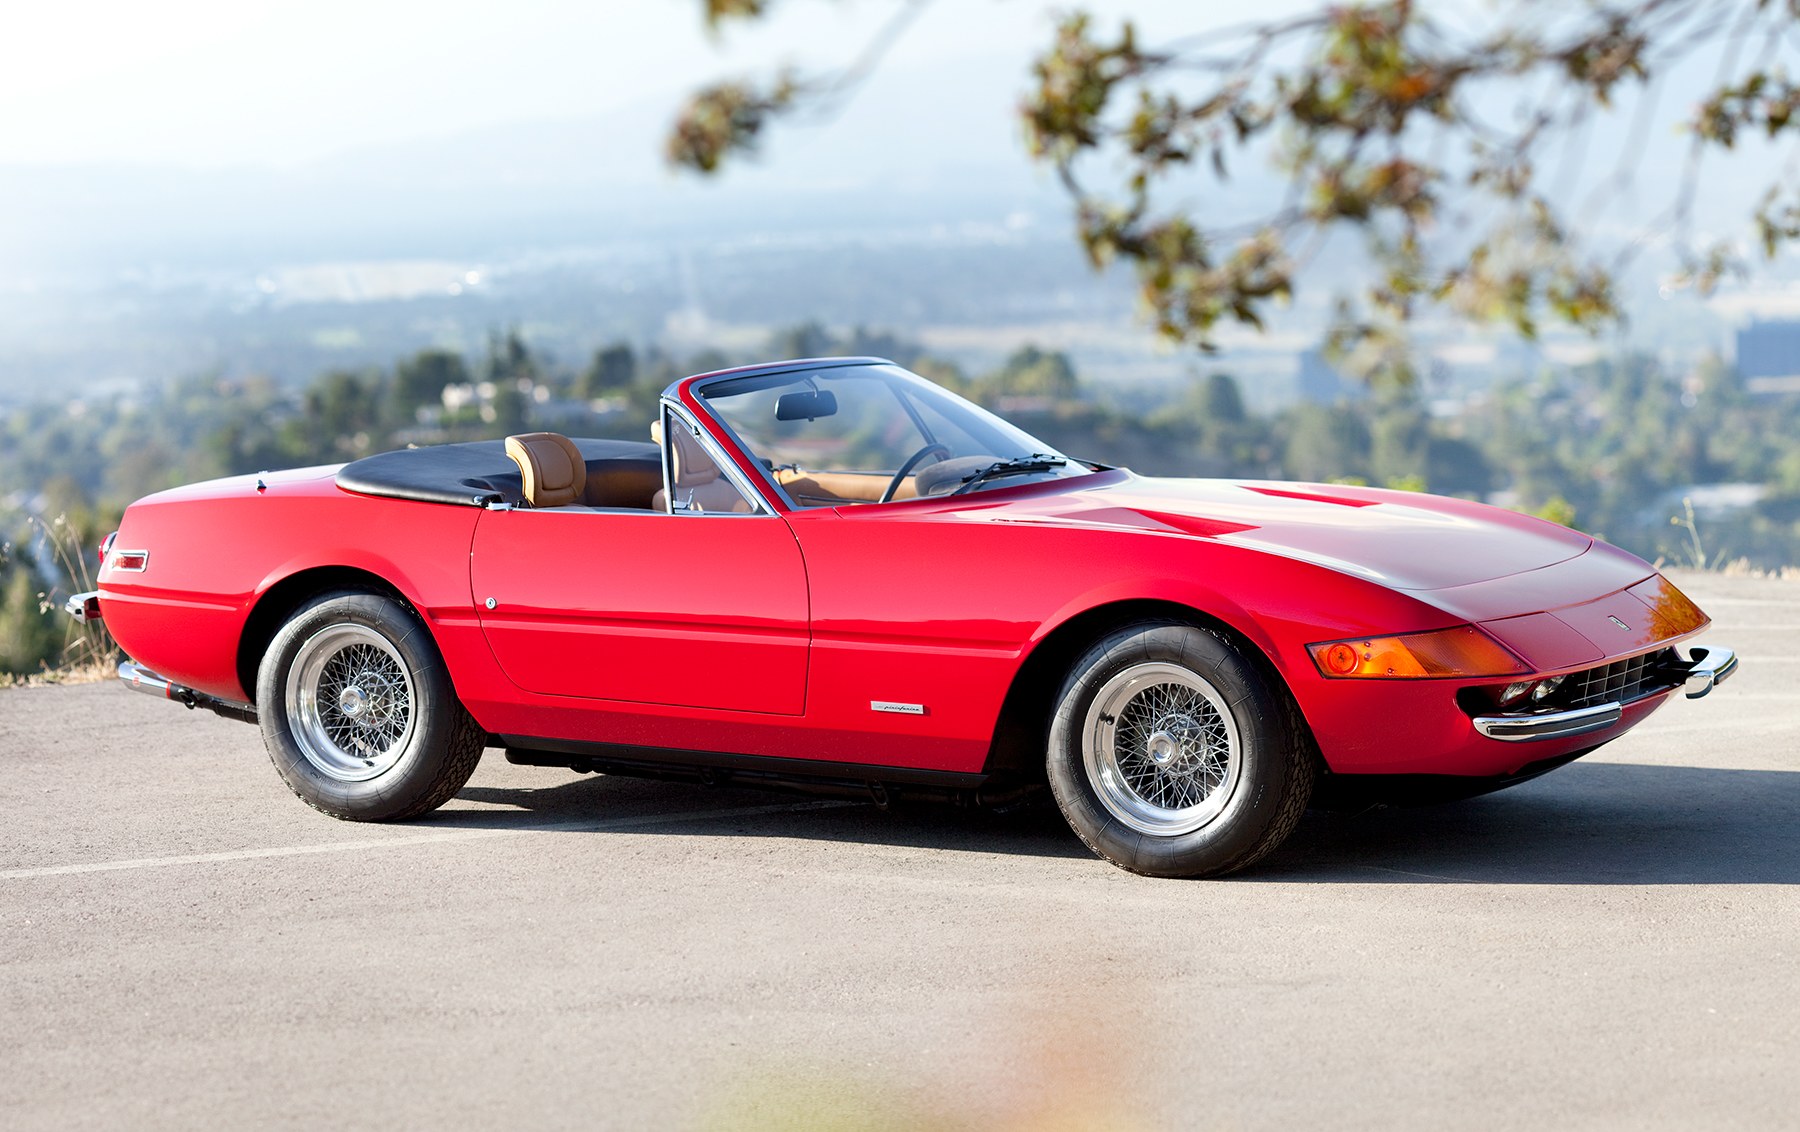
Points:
x=1404, y=540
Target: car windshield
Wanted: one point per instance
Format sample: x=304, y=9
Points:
x=872, y=433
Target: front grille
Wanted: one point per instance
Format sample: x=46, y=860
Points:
x=1618, y=682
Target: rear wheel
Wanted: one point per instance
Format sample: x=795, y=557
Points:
x=358, y=712
x=1172, y=754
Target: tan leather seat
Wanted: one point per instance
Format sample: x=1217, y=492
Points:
x=698, y=481
x=551, y=466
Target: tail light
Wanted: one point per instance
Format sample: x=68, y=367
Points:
x=106, y=545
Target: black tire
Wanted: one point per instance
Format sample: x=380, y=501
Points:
x=1193, y=723
x=399, y=748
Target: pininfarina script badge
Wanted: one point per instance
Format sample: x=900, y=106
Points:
x=1618, y=622
x=898, y=709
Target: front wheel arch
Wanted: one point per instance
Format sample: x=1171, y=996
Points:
x=1023, y=727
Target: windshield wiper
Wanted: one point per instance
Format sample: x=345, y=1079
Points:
x=1036, y=462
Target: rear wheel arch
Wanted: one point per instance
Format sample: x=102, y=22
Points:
x=1023, y=728
x=280, y=601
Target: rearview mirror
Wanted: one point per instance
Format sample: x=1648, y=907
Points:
x=806, y=405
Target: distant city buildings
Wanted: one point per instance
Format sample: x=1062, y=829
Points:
x=1768, y=356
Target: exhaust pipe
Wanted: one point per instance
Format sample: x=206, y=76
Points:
x=140, y=679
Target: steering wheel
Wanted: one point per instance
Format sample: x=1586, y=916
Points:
x=911, y=462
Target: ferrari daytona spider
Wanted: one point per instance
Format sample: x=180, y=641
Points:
x=834, y=575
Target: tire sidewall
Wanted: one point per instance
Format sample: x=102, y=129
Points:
x=1237, y=834
x=400, y=788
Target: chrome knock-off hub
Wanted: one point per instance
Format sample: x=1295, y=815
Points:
x=1164, y=748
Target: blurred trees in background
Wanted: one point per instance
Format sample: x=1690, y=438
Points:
x=1443, y=139
x=419, y=381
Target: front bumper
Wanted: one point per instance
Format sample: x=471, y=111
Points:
x=1706, y=670
x=1709, y=668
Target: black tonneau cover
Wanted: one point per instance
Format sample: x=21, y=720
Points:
x=472, y=474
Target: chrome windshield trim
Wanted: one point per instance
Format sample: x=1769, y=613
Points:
x=772, y=489
x=759, y=505
x=1548, y=725
x=1710, y=668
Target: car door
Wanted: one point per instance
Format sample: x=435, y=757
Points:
x=679, y=606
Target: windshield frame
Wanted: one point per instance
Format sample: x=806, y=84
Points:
x=693, y=394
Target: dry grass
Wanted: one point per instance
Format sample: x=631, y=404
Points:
x=88, y=654
x=89, y=672
x=1743, y=568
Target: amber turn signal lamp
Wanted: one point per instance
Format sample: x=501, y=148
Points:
x=1464, y=651
x=1676, y=616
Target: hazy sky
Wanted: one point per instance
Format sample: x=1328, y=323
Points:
x=221, y=82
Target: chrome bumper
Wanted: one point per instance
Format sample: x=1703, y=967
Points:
x=1549, y=725
x=1709, y=668
x=83, y=607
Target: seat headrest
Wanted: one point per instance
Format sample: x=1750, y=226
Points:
x=692, y=464
x=551, y=466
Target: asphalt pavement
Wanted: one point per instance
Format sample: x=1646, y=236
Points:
x=183, y=943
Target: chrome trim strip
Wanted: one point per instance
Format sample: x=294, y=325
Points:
x=83, y=607
x=1711, y=667
x=1550, y=725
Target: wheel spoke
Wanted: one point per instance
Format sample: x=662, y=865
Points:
x=355, y=718
x=1170, y=750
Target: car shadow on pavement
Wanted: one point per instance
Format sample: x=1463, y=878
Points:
x=1037, y=830
x=1588, y=823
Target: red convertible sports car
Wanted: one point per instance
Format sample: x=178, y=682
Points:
x=834, y=575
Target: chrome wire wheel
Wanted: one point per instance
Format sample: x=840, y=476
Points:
x=1161, y=749
x=351, y=702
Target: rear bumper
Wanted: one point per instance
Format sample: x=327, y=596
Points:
x=83, y=607
x=1706, y=670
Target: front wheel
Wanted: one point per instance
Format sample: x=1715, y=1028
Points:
x=358, y=712
x=1172, y=754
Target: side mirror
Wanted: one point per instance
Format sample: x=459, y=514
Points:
x=806, y=405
